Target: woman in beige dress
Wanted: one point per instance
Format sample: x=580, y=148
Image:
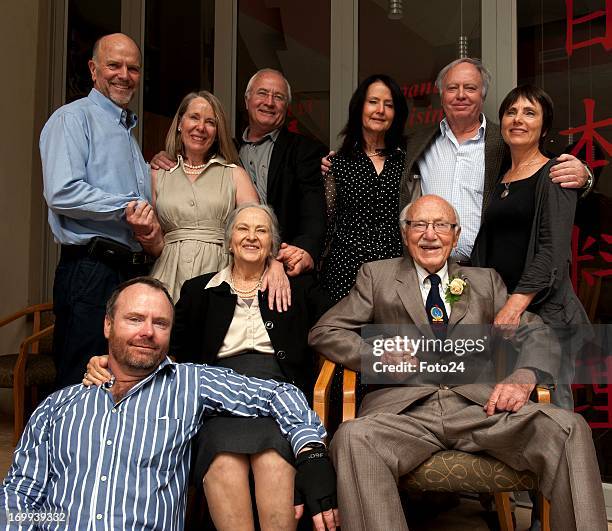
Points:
x=194, y=198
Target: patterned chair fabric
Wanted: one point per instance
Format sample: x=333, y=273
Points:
x=452, y=471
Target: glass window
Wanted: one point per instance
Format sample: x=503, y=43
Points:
x=565, y=47
x=292, y=37
x=413, y=47
x=178, y=59
x=88, y=20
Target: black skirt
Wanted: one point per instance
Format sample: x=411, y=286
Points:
x=241, y=435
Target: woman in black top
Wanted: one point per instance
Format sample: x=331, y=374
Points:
x=526, y=231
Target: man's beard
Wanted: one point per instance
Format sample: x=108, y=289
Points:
x=121, y=352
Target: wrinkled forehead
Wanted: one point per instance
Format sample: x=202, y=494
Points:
x=253, y=216
x=430, y=209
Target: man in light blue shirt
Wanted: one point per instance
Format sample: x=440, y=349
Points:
x=117, y=456
x=94, y=174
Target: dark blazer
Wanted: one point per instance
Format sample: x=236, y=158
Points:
x=203, y=316
x=497, y=156
x=295, y=190
x=387, y=292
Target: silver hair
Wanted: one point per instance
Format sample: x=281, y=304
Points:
x=274, y=226
x=404, y=212
x=477, y=63
x=268, y=71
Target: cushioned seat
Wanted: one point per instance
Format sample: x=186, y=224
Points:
x=40, y=370
x=33, y=366
x=452, y=471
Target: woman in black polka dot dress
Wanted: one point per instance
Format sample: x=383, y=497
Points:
x=362, y=187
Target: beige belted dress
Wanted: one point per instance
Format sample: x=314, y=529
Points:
x=192, y=217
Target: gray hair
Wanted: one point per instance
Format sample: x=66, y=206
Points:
x=267, y=71
x=274, y=226
x=404, y=213
x=477, y=63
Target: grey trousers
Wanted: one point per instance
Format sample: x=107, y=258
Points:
x=371, y=453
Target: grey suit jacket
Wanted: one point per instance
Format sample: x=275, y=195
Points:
x=496, y=156
x=387, y=292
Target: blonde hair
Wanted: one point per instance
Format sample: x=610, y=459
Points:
x=223, y=145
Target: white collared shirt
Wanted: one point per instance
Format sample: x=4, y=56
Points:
x=455, y=172
x=425, y=284
x=246, y=332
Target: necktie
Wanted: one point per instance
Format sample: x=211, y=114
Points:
x=436, y=312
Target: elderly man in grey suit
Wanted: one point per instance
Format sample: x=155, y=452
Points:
x=399, y=427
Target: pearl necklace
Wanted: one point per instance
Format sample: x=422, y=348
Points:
x=192, y=169
x=243, y=293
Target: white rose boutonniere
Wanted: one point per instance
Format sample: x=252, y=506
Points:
x=454, y=290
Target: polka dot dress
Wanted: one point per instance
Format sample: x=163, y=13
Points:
x=363, y=218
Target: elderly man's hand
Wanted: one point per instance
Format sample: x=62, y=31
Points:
x=512, y=393
x=315, y=484
x=162, y=161
x=326, y=163
x=398, y=357
x=569, y=172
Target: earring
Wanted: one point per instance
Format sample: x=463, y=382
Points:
x=179, y=129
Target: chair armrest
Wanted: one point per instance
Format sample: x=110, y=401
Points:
x=322, y=389
x=543, y=394
x=22, y=358
x=349, y=395
x=46, y=306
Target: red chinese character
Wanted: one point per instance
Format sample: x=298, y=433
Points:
x=598, y=402
x=605, y=41
x=589, y=134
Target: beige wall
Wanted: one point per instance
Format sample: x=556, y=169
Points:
x=23, y=97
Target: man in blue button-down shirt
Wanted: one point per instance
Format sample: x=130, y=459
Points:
x=93, y=171
x=117, y=456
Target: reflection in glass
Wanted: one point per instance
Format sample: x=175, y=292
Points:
x=178, y=58
x=416, y=46
x=292, y=37
x=88, y=20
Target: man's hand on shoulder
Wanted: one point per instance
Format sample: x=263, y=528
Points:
x=315, y=485
x=569, y=172
x=295, y=259
x=162, y=161
x=512, y=393
x=326, y=163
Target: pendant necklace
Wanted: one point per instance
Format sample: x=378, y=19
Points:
x=505, y=191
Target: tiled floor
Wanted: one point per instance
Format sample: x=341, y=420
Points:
x=468, y=516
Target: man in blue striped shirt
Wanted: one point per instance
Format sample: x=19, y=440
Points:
x=117, y=456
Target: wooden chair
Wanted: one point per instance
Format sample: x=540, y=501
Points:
x=449, y=470
x=33, y=365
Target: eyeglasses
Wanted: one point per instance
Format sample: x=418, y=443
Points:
x=440, y=227
x=264, y=94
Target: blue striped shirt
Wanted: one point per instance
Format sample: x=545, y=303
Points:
x=92, y=168
x=124, y=465
x=455, y=172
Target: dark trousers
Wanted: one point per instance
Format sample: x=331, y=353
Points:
x=81, y=288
